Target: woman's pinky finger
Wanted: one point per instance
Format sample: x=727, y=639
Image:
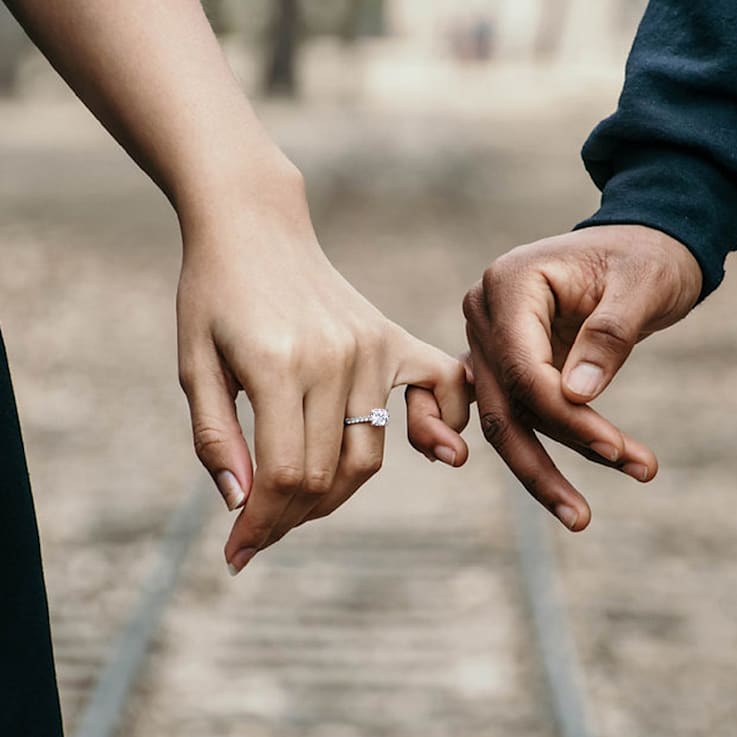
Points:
x=427, y=432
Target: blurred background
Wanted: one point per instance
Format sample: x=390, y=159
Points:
x=434, y=137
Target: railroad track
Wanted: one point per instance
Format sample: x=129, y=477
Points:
x=404, y=671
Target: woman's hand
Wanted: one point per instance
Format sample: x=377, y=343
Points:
x=259, y=306
x=549, y=326
x=261, y=309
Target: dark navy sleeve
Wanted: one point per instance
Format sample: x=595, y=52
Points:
x=667, y=158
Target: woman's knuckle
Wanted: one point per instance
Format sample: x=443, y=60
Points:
x=372, y=340
x=344, y=350
x=363, y=467
x=259, y=531
x=279, y=355
x=186, y=378
x=317, y=513
x=208, y=440
x=371, y=464
x=318, y=482
x=455, y=373
x=286, y=477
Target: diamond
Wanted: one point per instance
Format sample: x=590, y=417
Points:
x=378, y=417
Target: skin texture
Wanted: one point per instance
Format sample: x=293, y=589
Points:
x=259, y=306
x=549, y=325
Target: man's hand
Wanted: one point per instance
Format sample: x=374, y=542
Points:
x=549, y=326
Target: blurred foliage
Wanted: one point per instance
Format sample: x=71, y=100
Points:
x=279, y=27
x=345, y=18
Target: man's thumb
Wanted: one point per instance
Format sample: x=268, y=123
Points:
x=602, y=345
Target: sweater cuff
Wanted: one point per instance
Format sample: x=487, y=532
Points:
x=680, y=194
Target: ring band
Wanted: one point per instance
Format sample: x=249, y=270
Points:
x=377, y=417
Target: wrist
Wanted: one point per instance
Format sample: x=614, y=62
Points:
x=658, y=246
x=651, y=247
x=689, y=270
x=264, y=188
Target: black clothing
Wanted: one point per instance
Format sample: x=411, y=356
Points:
x=29, y=702
x=667, y=158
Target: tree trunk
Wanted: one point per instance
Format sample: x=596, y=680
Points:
x=553, y=22
x=282, y=45
x=362, y=18
x=214, y=11
x=12, y=43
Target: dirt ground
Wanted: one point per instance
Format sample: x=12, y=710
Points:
x=402, y=615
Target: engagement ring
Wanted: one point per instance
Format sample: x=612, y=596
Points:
x=378, y=417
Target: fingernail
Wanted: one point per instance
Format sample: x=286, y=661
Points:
x=585, y=379
x=567, y=515
x=605, y=450
x=230, y=489
x=444, y=454
x=637, y=471
x=240, y=560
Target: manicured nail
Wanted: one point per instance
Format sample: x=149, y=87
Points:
x=240, y=560
x=567, y=515
x=637, y=471
x=585, y=379
x=605, y=450
x=444, y=454
x=230, y=489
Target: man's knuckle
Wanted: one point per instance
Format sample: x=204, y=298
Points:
x=531, y=481
x=611, y=331
x=491, y=277
x=496, y=429
x=473, y=302
x=517, y=377
x=498, y=273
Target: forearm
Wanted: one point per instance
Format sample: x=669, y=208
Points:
x=155, y=76
x=668, y=157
